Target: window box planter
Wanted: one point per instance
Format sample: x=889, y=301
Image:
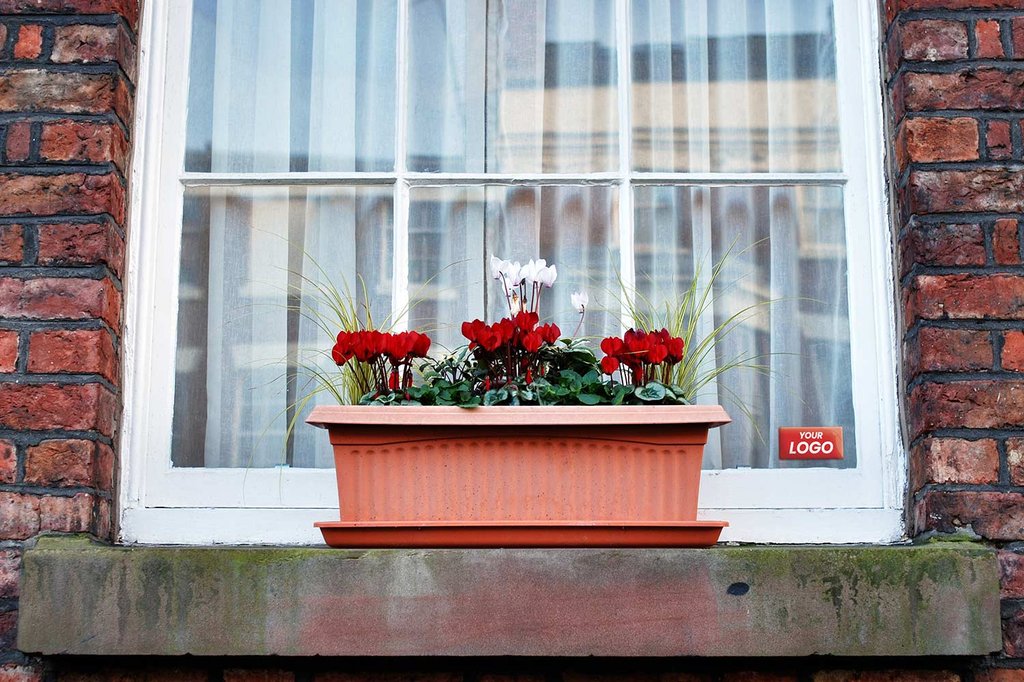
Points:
x=528, y=476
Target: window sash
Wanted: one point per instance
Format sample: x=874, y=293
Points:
x=153, y=493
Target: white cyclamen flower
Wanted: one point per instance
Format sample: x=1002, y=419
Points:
x=513, y=273
x=497, y=265
x=547, y=276
x=580, y=300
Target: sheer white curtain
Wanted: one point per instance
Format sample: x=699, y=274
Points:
x=511, y=86
x=276, y=87
x=737, y=86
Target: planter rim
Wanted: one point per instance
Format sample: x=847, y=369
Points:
x=325, y=416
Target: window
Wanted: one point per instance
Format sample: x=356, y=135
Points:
x=404, y=141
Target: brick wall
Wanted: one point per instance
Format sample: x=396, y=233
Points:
x=955, y=87
x=67, y=69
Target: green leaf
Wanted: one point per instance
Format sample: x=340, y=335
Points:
x=652, y=392
x=589, y=398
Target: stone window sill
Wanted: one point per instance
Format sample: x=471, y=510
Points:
x=81, y=597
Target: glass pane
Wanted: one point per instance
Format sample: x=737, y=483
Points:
x=512, y=86
x=248, y=255
x=785, y=263
x=453, y=231
x=734, y=85
x=306, y=85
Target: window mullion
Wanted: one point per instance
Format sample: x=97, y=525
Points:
x=627, y=266
x=400, y=222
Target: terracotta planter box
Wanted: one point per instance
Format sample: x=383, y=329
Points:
x=519, y=476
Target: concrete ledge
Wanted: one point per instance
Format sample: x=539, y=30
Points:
x=78, y=597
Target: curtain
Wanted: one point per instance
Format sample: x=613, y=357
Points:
x=276, y=87
x=738, y=86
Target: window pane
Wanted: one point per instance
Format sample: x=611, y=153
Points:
x=734, y=85
x=785, y=254
x=512, y=86
x=246, y=256
x=572, y=227
x=306, y=85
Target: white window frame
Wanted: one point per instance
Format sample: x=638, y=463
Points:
x=161, y=504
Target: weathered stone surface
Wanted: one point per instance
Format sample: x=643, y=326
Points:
x=84, y=598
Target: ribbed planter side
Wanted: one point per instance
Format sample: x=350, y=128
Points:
x=430, y=465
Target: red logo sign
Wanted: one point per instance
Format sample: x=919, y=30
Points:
x=811, y=442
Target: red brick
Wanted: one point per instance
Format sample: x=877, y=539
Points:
x=967, y=404
x=988, y=40
x=1000, y=675
x=8, y=462
x=36, y=90
x=8, y=629
x=101, y=519
x=1018, y=37
x=82, y=141
x=81, y=244
x=1013, y=633
x=19, y=139
x=30, y=42
x=60, y=463
x=934, y=40
x=950, y=350
x=57, y=298
x=82, y=407
x=999, y=190
x=19, y=516
x=901, y=5
x=86, y=44
x=66, y=193
x=966, y=89
x=8, y=350
x=901, y=675
x=927, y=140
x=965, y=297
x=1005, y=243
x=1013, y=351
x=20, y=673
x=997, y=139
x=242, y=675
x=66, y=514
x=80, y=351
x=10, y=569
x=404, y=677
x=756, y=676
x=942, y=244
x=147, y=674
x=1015, y=460
x=12, y=243
x=954, y=460
x=992, y=515
x=1011, y=575
x=103, y=467
x=129, y=9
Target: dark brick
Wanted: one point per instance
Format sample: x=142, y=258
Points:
x=999, y=190
x=1005, y=243
x=19, y=141
x=967, y=89
x=8, y=463
x=81, y=244
x=8, y=351
x=965, y=297
x=967, y=404
x=12, y=243
x=942, y=244
x=56, y=298
x=85, y=407
x=950, y=350
x=60, y=463
x=79, y=141
x=993, y=515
